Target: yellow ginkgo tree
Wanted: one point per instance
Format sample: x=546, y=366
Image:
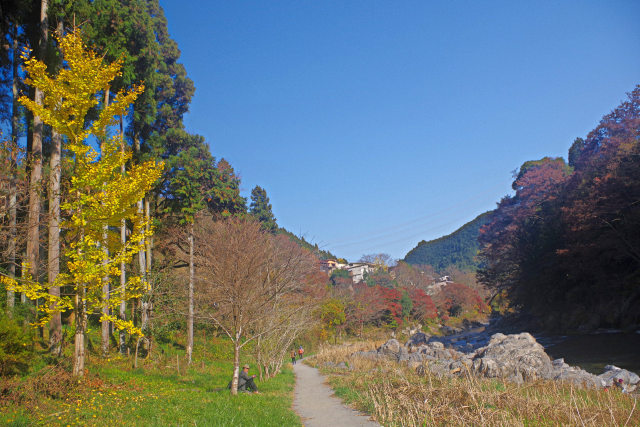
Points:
x=100, y=195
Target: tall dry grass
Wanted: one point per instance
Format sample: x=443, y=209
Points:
x=396, y=396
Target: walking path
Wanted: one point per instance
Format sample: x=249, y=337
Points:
x=314, y=402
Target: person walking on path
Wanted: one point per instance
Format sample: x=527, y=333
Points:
x=300, y=352
x=293, y=357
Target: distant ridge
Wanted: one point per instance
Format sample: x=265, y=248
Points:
x=458, y=248
x=321, y=254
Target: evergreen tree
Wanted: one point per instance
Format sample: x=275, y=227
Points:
x=406, y=304
x=260, y=208
x=197, y=183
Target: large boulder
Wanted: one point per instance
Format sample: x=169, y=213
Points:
x=573, y=374
x=513, y=357
x=437, y=350
x=392, y=349
x=621, y=377
x=392, y=346
x=416, y=341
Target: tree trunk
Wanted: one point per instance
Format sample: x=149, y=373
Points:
x=236, y=366
x=13, y=199
x=149, y=241
x=33, y=232
x=81, y=324
x=146, y=298
x=262, y=365
x=13, y=213
x=142, y=255
x=105, y=326
x=122, y=344
x=53, y=255
x=147, y=245
x=123, y=273
x=191, y=280
x=143, y=273
x=106, y=289
x=55, y=326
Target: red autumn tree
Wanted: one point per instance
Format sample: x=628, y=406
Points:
x=423, y=306
x=392, y=307
x=455, y=298
x=365, y=306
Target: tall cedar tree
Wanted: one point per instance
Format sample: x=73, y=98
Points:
x=260, y=209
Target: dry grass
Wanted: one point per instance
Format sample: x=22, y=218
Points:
x=395, y=395
x=54, y=382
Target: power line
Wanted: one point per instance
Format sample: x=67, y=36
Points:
x=394, y=230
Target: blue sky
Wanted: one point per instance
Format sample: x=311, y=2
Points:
x=376, y=124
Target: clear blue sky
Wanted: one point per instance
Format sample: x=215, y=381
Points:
x=376, y=124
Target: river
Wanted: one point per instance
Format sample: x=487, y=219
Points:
x=591, y=352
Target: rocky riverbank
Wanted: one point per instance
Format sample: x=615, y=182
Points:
x=515, y=357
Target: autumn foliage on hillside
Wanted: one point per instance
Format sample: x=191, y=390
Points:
x=566, y=245
x=400, y=296
x=423, y=306
x=455, y=298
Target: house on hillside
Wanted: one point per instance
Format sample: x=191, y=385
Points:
x=357, y=270
x=328, y=265
x=438, y=285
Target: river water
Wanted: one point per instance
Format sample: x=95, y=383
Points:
x=593, y=351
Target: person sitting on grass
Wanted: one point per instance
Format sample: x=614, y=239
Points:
x=245, y=381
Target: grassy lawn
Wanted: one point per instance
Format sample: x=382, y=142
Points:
x=113, y=393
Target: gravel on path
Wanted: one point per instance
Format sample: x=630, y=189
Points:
x=314, y=402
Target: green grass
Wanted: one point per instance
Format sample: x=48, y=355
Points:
x=155, y=394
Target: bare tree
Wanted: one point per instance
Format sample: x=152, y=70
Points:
x=13, y=203
x=281, y=327
x=380, y=260
x=243, y=275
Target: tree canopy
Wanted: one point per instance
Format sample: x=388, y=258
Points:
x=458, y=249
x=565, y=246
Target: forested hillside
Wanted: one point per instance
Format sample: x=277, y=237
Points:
x=458, y=249
x=108, y=204
x=320, y=253
x=566, y=246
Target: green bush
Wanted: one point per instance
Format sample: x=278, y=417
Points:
x=16, y=347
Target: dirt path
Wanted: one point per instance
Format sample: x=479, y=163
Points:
x=314, y=402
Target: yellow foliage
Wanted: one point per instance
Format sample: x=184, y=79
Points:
x=100, y=196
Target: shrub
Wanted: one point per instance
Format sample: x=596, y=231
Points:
x=16, y=347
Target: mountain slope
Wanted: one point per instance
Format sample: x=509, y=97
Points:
x=321, y=254
x=458, y=248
